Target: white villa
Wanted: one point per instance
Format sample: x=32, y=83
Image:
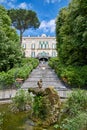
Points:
x=41, y=46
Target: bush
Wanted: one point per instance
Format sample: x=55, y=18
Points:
x=22, y=101
x=74, y=114
x=1, y=120
x=41, y=107
x=34, y=62
x=53, y=61
x=8, y=79
x=79, y=122
x=24, y=72
x=77, y=101
x=74, y=76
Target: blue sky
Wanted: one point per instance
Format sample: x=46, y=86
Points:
x=47, y=11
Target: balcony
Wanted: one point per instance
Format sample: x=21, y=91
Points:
x=43, y=48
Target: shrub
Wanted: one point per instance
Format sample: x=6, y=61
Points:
x=8, y=79
x=34, y=62
x=22, y=101
x=77, y=101
x=79, y=122
x=41, y=107
x=74, y=115
x=24, y=72
x=74, y=76
x=1, y=120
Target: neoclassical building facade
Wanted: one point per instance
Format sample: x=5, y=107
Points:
x=40, y=46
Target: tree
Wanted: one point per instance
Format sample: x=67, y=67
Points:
x=71, y=33
x=10, y=51
x=23, y=19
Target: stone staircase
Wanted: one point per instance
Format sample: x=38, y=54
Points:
x=49, y=78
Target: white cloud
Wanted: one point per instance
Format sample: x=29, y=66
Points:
x=23, y=5
x=11, y=5
x=52, y=1
x=3, y=1
x=48, y=26
x=7, y=1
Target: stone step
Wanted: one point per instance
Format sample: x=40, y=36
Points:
x=45, y=84
x=34, y=79
x=48, y=77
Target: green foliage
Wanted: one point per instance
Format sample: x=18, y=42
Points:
x=21, y=101
x=41, y=107
x=71, y=34
x=23, y=19
x=1, y=120
x=75, y=109
x=22, y=70
x=27, y=65
x=8, y=79
x=76, y=102
x=4, y=19
x=10, y=51
x=53, y=62
x=74, y=76
x=28, y=61
x=79, y=122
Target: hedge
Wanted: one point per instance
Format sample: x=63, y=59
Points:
x=8, y=79
x=74, y=76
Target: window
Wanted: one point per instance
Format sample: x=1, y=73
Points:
x=53, y=54
x=40, y=44
x=33, y=54
x=46, y=44
x=33, y=46
x=43, y=44
x=24, y=45
x=54, y=46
